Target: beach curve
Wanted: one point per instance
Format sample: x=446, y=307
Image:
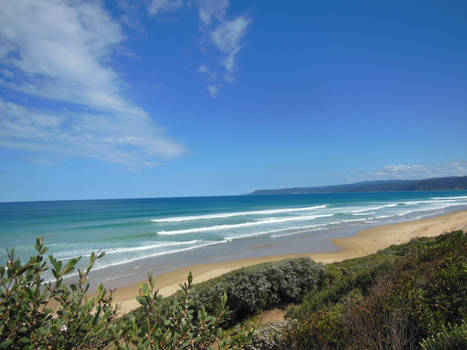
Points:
x=363, y=243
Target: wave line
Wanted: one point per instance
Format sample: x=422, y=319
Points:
x=239, y=213
x=245, y=224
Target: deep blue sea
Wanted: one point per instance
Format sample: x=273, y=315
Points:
x=129, y=230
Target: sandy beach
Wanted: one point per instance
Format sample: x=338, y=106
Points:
x=363, y=243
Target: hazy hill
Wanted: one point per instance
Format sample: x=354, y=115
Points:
x=433, y=184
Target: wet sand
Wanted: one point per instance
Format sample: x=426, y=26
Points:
x=363, y=243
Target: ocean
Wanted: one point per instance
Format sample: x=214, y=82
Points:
x=166, y=233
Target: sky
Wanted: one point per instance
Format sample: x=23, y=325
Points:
x=167, y=98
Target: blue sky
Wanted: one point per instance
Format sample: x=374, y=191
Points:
x=156, y=98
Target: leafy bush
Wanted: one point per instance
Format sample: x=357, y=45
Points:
x=341, y=279
x=429, y=286
x=269, y=336
x=392, y=299
x=55, y=315
x=34, y=315
x=260, y=287
x=175, y=326
x=323, y=329
x=449, y=338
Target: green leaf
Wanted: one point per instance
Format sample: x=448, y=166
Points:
x=24, y=340
x=71, y=265
x=5, y=344
x=224, y=299
x=190, y=278
x=141, y=300
x=145, y=289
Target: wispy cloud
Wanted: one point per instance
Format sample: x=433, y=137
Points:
x=62, y=50
x=213, y=90
x=112, y=138
x=212, y=9
x=221, y=35
x=225, y=35
x=414, y=171
x=227, y=38
x=158, y=6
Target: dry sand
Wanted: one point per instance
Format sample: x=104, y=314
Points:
x=363, y=243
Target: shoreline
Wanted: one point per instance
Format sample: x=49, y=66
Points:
x=363, y=243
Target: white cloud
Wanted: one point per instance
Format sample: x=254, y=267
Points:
x=7, y=73
x=213, y=90
x=414, y=171
x=210, y=74
x=112, y=138
x=158, y=6
x=209, y=9
x=62, y=50
x=225, y=35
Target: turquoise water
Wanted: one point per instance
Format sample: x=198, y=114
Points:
x=129, y=230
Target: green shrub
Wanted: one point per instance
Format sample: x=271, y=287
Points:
x=341, y=279
x=323, y=329
x=56, y=315
x=260, y=287
x=392, y=299
x=175, y=326
x=269, y=336
x=34, y=315
x=449, y=338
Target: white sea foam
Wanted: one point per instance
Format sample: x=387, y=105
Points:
x=391, y=205
x=159, y=254
x=126, y=261
x=298, y=232
x=85, y=253
x=456, y=197
x=149, y=247
x=245, y=224
x=354, y=220
x=239, y=213
x=383, y=216
x=430, y=208
x=428, y=202
x=231, y=238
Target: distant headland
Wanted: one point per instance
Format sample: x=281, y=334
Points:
x=432, y=184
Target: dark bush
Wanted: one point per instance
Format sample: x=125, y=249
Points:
x=260, y=287
x=397, y=298
x=269, y=336
x=452, y=337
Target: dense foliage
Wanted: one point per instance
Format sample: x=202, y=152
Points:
x=452, y=337
x=269, y=336
x=175, y=326
x=56, y=315
x=34, y=315
x=260, y=287
x=391, y=300
x=253, y=289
